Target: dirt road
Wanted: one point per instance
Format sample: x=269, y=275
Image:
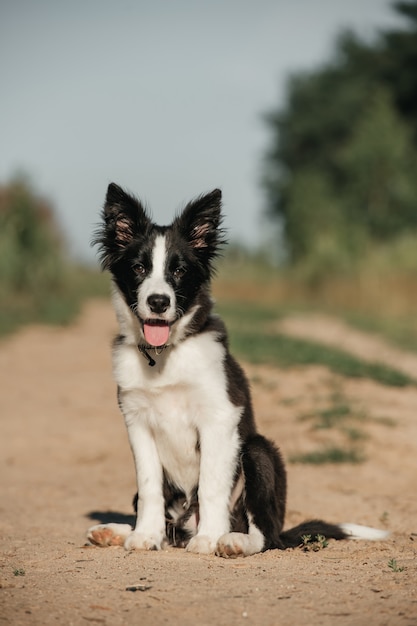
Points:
x=66, y=463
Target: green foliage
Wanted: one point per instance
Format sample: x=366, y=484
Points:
x=37, y=282
x=30, y=248
x=380, y=165
x=399, y=60
x=341, y=171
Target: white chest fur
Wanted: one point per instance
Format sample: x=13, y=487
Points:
x=185, y=393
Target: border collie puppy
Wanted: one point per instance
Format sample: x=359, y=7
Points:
x=206, y=479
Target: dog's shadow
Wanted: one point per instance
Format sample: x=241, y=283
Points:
x=111, y=517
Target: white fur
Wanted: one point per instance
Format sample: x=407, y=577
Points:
x=232, y=545
x=356, y=531
x=155, y=283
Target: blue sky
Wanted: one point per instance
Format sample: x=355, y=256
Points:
x=163, y=97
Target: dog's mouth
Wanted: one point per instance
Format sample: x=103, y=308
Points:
x=156, y=332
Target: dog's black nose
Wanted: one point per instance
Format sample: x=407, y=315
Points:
x=158, y=302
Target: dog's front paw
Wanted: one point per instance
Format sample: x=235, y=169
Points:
x=202, y=544
x=143, y=541
x=104, y=535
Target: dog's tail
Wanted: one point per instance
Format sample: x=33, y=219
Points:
x=310, y=531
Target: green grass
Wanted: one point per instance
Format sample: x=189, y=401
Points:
x=332, y=416
x=252, y=339
x=284, y=351
x=331, y=454
x=339, y=412
x=348, y=419
x=400, y=330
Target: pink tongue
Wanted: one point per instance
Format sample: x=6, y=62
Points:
x=156, y=334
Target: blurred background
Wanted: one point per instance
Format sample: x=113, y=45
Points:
x=303, y=112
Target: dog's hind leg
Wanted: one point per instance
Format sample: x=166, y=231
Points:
x=264, y=501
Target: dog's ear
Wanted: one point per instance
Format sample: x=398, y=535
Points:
x=200, y=224
x=124, y=215
x=123, y=219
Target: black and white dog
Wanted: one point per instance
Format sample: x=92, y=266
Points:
x=206, y=479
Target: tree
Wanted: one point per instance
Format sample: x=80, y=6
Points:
x=399, y=61
x=341, y=167
x=380, y=166
x=31, y=250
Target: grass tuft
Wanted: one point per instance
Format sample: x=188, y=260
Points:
x=393, y=565
x=310, y=544
x=19, y=572
x=331, y=454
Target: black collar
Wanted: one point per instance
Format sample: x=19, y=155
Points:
x=144, y=349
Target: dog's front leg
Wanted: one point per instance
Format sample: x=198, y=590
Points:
x=150, y=522
x=218, y=450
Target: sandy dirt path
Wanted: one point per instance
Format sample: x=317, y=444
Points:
x=66, y=463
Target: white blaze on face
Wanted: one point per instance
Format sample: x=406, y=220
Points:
x=157, y=334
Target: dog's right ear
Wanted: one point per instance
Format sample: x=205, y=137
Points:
x=124, y=218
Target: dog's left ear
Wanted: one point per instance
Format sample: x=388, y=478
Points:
x=200, y=223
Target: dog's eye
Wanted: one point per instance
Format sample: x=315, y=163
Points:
x=140, y=269
x=178, y=272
